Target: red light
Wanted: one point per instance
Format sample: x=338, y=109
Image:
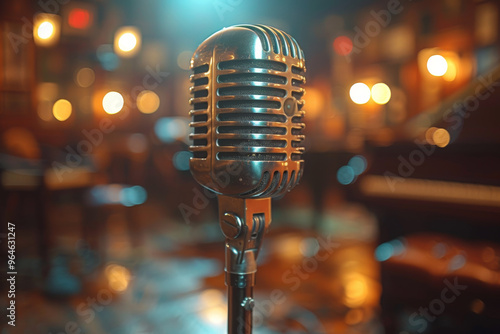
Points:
x=342, y=45
x=79, y=18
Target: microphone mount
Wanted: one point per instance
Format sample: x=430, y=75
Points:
x=243, y=222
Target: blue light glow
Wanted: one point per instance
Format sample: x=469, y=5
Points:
x=398, y=246
x=384, y=252
x=457, y=262
x=181, y=160
x=131, y=196
x=118, y=194
x=345, y=175
x=107, y=58
x=358, y=164
x=169, y=129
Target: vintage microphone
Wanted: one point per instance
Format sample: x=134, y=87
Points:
x=247, y=141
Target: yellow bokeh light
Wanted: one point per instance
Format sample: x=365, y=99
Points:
x=148, y=102
x=127, y=41
x=85, y=77
x=451, y=72
x=437, y=65
x=62, y=110
x=441, y=137
x=381, y=93
x=359, y=93
x=118, y=277
x=45, y=30
x=429, y=133
x=113, y=102
x=356, y=290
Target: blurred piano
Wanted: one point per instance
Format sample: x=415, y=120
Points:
x=439, y=214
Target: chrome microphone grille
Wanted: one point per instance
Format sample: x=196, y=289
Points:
x=248, y=109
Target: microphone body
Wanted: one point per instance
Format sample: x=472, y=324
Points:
x=247, y=144
x=247, y=112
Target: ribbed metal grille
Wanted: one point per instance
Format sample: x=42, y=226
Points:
x=199, y=113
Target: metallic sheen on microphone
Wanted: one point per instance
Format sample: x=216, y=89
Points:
x=247, y=141
x=247, y=112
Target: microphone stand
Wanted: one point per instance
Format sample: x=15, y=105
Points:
x=243, y=222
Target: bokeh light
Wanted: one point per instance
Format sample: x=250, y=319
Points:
x=214, y=308
x=113, y=102
x=181, y=160
x=389, y=249
x=358, y=164
x=62, y=110
x=46, y=29
x=137, y=143
x=85, y=77
x=441, y=137
x=184, y=59
x=429, y=133
x=384, y=252
x=169, y=129
x=315, y=102
x=345, y=175
x=356, y=290
x=79, y=18
x=127, y=41
x=135, y=195
x=107, y=58
x=118, y=277
x=342, y=45
x=381, y=93
x=359, y=93
x=437, y=65
x=148, y=102
x=451, y=72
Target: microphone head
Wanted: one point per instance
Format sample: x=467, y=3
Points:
x=247, y=112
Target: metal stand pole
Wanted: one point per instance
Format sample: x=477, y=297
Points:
x=240, y=303
x=243, y=222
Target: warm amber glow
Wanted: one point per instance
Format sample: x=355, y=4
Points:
x=477, y=306
x=441, y=137
x=85, y=77
x=112, y=102
x=437, y=65
x=148, y=102
x=314, y=101
x=356, y=290
x=127, y=41
x=381, y=93
x=359, y=93
x=429, y=133
x=62, y=110
x=451, y=72
x=214, y=309
x=118, y=277
x=46, y=29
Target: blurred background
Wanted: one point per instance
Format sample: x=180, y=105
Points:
x=394, y=227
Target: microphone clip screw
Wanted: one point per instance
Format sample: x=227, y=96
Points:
x=231, y=225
